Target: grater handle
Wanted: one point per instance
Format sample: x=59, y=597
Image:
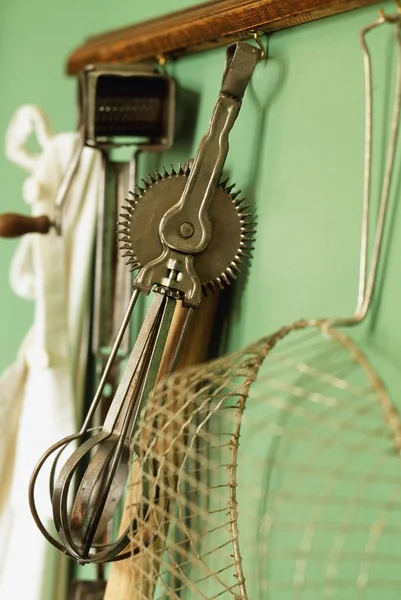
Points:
x=14, y=225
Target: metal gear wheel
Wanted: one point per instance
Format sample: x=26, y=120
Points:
x=233, y=227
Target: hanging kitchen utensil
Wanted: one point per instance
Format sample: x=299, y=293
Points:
x=197, y=235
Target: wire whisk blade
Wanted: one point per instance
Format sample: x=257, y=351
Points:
x=87, y=488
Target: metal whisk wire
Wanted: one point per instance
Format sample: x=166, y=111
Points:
x=85, y=429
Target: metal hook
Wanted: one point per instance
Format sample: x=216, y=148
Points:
x=161, y=61
x=385, y=18
x=256, y=36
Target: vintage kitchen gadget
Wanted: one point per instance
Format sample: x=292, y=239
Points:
x=197, y=234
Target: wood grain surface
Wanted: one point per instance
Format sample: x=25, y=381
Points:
x=202, y=26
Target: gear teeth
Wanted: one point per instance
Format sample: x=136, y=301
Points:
x=133, y=261
x=133, y=264
x=209, y=286
x=127, y=209
x=225, y=279
x=247, y=228
x=132, y=203
x=231, y=273
x=219, y=283
x=246, y=225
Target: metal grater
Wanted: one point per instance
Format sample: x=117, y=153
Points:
x=120, y=104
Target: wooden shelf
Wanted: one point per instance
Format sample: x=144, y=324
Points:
x=202, y=26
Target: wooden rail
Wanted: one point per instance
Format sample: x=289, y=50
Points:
x=202, y=26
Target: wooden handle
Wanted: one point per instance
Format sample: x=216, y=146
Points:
x=14, y=225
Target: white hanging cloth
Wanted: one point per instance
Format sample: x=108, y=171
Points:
x=41, y=392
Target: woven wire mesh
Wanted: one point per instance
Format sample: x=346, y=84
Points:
x=270, y=473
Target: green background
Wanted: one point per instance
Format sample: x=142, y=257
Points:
x=296, y=152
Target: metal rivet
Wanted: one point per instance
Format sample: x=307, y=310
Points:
x=186, y=230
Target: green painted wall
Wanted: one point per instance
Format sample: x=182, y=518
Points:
x=296, y=152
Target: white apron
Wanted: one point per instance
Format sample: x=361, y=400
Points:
x=41, y=393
